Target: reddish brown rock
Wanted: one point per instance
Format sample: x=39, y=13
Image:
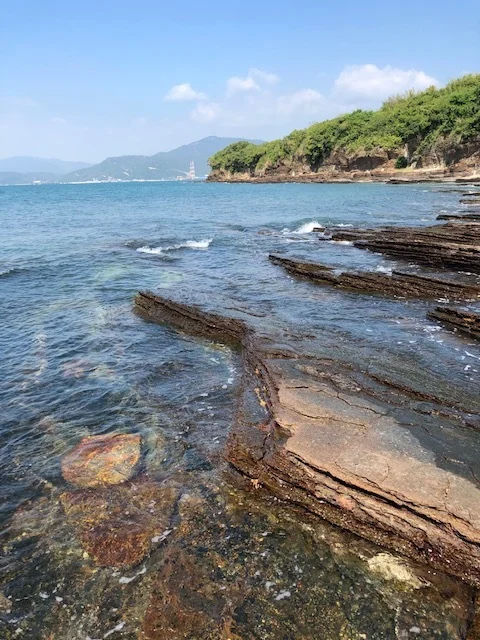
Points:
x=117, y=526
x=102, y=460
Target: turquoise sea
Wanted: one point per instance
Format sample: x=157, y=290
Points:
x=76, y=361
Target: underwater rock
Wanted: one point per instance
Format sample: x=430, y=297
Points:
x=118, y=526
x=395, y=284
x=348, y=447
x=102, y=460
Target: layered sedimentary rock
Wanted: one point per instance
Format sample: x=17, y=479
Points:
x=451, y=245
x=465, y=321
x=397, y=284
x=379, y=460
x=466, y=217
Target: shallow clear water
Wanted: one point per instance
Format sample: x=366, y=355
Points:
x=77, y=361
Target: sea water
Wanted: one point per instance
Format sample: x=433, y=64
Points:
x=76, y=361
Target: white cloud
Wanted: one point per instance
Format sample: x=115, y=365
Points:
x=184, y=92
x=253, y=81
x=206, y=112
x=58, y=120
x=238, y=85
x=369, y=82
x=263, y=76
x=305, y=101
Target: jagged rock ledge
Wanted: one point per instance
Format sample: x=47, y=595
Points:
x=356, y=451
x=465, y=321
x=448, y=246
x=399, y=283
x=462, y=217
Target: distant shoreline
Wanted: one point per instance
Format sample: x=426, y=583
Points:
x=390, y=177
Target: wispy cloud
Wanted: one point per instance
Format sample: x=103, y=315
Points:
x=307, y=101
x=255, y=80
x=183, y=93
x=369, y=82
x=206, y=112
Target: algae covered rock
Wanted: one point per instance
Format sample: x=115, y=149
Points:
x=102, y=460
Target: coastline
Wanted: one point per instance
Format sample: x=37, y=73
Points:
x=400, y=176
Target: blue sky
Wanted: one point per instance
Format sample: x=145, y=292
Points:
x=86, y=80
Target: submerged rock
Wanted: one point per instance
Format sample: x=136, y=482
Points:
x=118, y=526
x=102, y=460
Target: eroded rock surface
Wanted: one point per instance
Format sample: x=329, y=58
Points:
x=378, y=461
x=102, y=460
x=448, y=245
x=397, y=284
x=461, y=319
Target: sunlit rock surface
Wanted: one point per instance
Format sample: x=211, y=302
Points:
x=102, y=460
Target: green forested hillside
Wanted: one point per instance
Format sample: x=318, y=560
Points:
x=411, y=126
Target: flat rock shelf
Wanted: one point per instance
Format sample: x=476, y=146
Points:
x=382, y=461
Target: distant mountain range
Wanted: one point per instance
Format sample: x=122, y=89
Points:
x=161, y=166
x=27, y=169
x=28, y=164
x=14, y=177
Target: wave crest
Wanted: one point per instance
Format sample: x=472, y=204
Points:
x=189, y=244
x=308, y=227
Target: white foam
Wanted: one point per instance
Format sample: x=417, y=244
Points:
x=345, y=242
x=308, y=227
x=5, y=272
x=189, y=244
x=383, y=269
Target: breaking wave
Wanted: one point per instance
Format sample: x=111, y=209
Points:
x=189, y=244
x=7, y=272
x=308, y=227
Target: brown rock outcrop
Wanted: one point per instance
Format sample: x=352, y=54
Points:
x=102, y=460
x=465, y=321
x=400, y=284
x=450, y=246
x=371, y=458
x=465, y=217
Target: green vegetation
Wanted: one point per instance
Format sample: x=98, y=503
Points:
x=401, y=163
x=433, y=121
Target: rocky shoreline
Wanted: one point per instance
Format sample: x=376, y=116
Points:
x=389, y=176
x=311, y=419
x=348, y=446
